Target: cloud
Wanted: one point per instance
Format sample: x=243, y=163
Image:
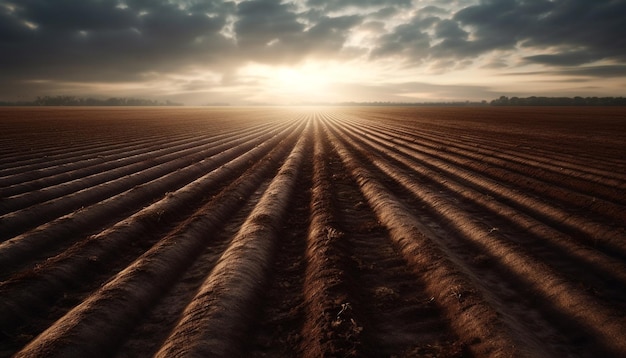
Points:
x=72, y=43
x=571, y=58
x=98, y=40
x=262, y=21
x=608, y=71
x=432, y=10
x=594, y=26
x=408, y=41
x=601, y=71
x=419, y=92
x=272, y=32
x=384, y=13
x=334, y=5
x=558, y=33
x=561, y=28
x=91, y=40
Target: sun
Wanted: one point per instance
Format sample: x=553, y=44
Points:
x=301, y=80
x=306, y=83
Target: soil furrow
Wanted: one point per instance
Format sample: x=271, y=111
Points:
x=105, y=317
x=25, y=178
x=313, y=232
x=148, y=335
x=65, y=184
x=512, y=310
x=599, y=273
x=608, y=269
x=197, y=163
x=65, y=155
x=588, y=194
x=30, y=177
x=525, y=165
x=104, y=169
x=602, y=324
x=394, y=315
x=217, y=319
x=54, y=235
x=594, y=233
x=325, y=282
x=115, y=129
x=472, y=318
x=519, y=138
x=276, y=331
x=27, y=293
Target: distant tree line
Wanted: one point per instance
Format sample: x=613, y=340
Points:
x=405, y=104
x=559, y=101
x=78, y=101
x=502, y=101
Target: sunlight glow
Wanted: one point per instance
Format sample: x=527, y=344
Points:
x=290, y=84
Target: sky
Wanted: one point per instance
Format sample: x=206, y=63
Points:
x=303, y=51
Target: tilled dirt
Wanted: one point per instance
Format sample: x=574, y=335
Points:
x=308, y=232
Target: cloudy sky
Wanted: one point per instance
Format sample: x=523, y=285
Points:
x=293, y=51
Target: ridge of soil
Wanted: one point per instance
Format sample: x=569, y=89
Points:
x=313, y=232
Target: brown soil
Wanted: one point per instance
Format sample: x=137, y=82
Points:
x=278, y=232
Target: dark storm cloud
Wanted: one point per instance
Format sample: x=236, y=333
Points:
x=569, y=32
x=76, y=40
x=605, y=71
x=501, y=24
x=572, y=58
x=106, y=41
x=493, y=26
x=448, y=29
x=272, y=32
x=597, y=26
x=79, y=40
x=333, y=5
x=454, y=41
x=433, y=10
x=384, y=13
x=597, y=71
x=262, y=21
x=583, y=31
x=407, y=40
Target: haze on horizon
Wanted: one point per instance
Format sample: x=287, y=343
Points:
x=296, y=51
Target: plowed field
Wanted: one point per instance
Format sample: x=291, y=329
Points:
x=308, y=232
